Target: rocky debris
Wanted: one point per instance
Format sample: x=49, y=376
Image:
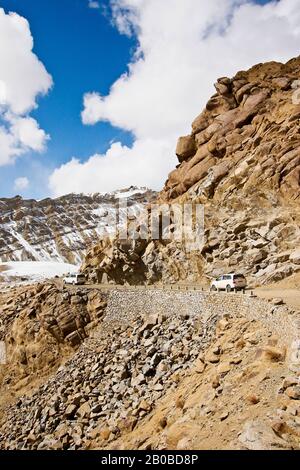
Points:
x=117, y=260
x=112, y=381
x=60, y=229
x=230, y=405
x=137, y=263
x=236, y=245
x=236, y=403
x=210, y=368
x=260, y=246
x=43, y=324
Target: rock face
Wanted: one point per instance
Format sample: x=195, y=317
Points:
x=137, y=262
x=245, y=169
x=245, y=144
x=42, y=324
x=59, y=229
x=242, y=162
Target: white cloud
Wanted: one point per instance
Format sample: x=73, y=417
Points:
x=22, y=79
x=120, y=167
x=18, y=136
x=183, y=47
x=94, y=5
x=27, y=131
x=21, y=183
x=9, y=148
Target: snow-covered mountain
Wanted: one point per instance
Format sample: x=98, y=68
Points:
x=60, y=229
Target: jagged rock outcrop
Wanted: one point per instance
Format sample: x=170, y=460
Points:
x=41, y=325
x=246, y=143
x=139, y=262
x=59, y=229
x=242, y=162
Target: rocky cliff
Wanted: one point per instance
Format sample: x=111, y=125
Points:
x=242, y=162
x=245, y=144
x=59, y=229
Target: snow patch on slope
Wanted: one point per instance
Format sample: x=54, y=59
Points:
x=37, y=270
x=130, y=193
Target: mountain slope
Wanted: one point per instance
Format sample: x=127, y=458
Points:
x=59, y=229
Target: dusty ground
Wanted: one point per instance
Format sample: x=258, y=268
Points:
x=288, y=289
x=292, y=282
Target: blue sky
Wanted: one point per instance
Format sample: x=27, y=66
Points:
x=84, y=52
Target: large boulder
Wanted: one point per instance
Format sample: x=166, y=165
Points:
x=186, y=148
x=295, y=256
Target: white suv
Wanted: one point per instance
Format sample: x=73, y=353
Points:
x=229, y=282
x=75, y=279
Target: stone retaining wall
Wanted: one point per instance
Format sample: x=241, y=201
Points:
x=124, y=305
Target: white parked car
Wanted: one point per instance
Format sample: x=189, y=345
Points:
x=229, y=282
x=75, y=279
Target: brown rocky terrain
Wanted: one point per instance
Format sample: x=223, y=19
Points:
x=147, y=369
x=242, y=162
